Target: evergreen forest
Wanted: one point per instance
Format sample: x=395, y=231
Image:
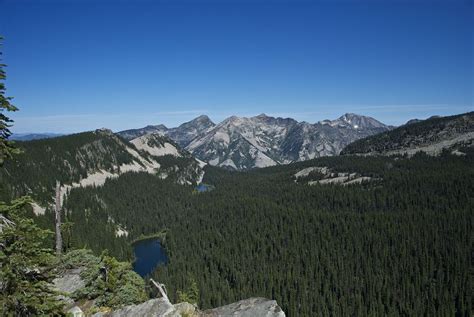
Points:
x=400, y=244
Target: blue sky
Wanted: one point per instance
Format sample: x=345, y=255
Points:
x=76, y=65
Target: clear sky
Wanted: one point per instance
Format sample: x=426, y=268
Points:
x=76, y=65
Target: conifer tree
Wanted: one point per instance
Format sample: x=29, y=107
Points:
x=25, y=262
x=6, y=146
x=25, y=266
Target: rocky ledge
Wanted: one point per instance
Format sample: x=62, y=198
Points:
x=252, y=307
x=70, y=284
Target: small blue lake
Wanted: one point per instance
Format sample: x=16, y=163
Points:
x=148, y=255
x=204, y=188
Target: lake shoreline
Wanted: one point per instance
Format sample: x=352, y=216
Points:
x=161, y=236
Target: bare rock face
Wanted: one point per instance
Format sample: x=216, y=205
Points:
x=69, y=282
x=159, y=307
x=243, y=143
x=76, y=312
x=251, y=307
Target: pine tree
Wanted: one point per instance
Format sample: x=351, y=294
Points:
x=6, y=146
x=25, y=264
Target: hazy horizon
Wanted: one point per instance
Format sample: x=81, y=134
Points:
x=215, y=121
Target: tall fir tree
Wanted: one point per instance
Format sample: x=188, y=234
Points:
x=6, y=146
x=26, y=264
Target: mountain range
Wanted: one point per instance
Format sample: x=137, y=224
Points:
x=33, y=136
x=248, y=142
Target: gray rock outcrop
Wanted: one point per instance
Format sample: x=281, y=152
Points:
x=252, y=307
x=70, y=281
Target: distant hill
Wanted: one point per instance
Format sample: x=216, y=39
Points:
x=33, y=136
x=431, y=136
x=88, y=159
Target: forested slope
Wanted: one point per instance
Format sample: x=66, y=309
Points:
x=399, y=245
x=67, y=159
x=88, y=159
x=431, y=135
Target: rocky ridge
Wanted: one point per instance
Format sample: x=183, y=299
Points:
x=159, y=307
x=431, y=136
x=243, y=143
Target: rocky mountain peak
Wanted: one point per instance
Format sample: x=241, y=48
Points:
x=203, y=118
x=233, y=119
x=262, y=140
x=201, y=122
x=360, y=122
x=134, y=133
x=104, y=131
x=187, y=131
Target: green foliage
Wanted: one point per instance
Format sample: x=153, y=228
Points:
x=191, y=294
x=6, y=147
x=66, y=232
x=108, y=282
x=26, y=266
x=78, y=258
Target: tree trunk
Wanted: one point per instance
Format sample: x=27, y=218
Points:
x=57, y=210
x=160, y=288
